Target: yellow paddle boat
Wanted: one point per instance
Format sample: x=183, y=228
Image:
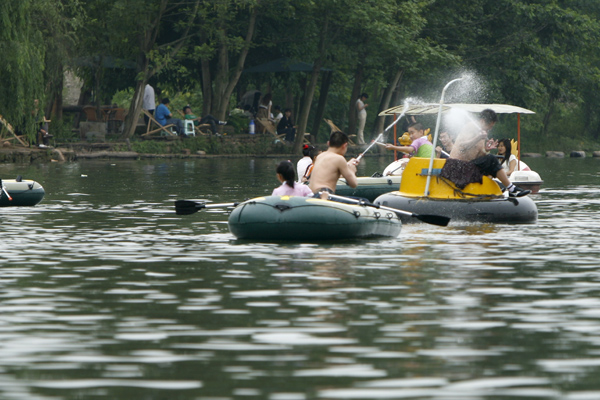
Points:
x=424, y=190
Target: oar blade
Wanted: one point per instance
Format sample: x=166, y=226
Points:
x=186, y=207
x=433, y=219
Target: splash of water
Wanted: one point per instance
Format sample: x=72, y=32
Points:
x=406, y=104
x=455, y=119
x=472, y=89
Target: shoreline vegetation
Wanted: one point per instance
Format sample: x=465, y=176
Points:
x=232, y=146
x=87, y=62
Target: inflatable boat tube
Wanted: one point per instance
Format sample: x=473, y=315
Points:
x=292, y=218
x=22, y=192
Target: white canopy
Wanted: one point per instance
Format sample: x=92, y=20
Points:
x=432, y=108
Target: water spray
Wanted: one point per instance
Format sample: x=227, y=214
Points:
x=382, y=135
x=399, y=116
x=435, y=136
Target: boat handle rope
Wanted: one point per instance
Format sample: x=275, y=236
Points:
x=283, y=207
x=462, y=194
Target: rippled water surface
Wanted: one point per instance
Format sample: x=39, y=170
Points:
x=106, y=294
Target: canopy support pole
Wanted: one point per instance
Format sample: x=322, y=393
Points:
x=435, y=136
x=518, y=142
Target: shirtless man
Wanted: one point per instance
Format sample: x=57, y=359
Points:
x=472, y=145
x=331, y=164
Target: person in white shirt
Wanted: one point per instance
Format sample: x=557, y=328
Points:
x=362, y=117
x=277, y=115
x=509, y=161
x=149, y=101
x=304, y=163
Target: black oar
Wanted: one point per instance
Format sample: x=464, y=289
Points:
x=430, y=219
x=186, y=207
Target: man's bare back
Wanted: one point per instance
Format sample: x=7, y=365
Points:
x=328, y=168
x=470, y=144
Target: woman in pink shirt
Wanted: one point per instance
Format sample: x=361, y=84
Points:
x=289, y=186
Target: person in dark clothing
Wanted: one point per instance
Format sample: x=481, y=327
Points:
x=207, y=119
x=286, y=126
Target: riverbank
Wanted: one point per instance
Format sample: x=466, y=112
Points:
x=196, y=147
x=203, y=147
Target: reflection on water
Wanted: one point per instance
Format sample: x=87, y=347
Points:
x=106, y=293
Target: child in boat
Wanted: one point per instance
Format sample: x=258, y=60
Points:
x=289, y=186
x=304, y=163
x=331, y=164
x=420, y=146
x=509, y=160
x=313, y=154
x=444, y=150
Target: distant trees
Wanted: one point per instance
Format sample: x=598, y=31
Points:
x=36, y=39
x=537, y=54
x=22, y=66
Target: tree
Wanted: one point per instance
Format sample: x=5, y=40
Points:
x=532, y=54
x=58, y=22
x=154, y=48
x=232, y=39
x=22, y=66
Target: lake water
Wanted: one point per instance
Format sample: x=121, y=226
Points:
x=106, y=294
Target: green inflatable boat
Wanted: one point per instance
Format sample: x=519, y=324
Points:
x=20, y=193
x=292, y=218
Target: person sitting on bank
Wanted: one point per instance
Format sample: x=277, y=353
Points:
x=164, y=117
x=420, y=146
x=207, y=119
x=444, y=150
x=331, y=164
x=472, y=145
x=286, y=126
x=277, y=115
x=43, y=135
x=289, y=186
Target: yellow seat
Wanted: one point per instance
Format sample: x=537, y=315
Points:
x=414, y=180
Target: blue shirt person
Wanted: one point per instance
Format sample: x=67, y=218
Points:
x=164, y=117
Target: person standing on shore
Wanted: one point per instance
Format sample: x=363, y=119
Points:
x=148, y=102
x=361, y=109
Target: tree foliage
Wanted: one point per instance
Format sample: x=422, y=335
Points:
x=22, y=66
x=539, y=54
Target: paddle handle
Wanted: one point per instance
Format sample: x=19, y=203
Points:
x=6, y=192
x=220, y=205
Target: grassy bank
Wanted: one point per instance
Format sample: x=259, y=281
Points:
x=212, y=145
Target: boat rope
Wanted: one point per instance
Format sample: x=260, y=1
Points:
x=285, y=207
x=462, y=194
